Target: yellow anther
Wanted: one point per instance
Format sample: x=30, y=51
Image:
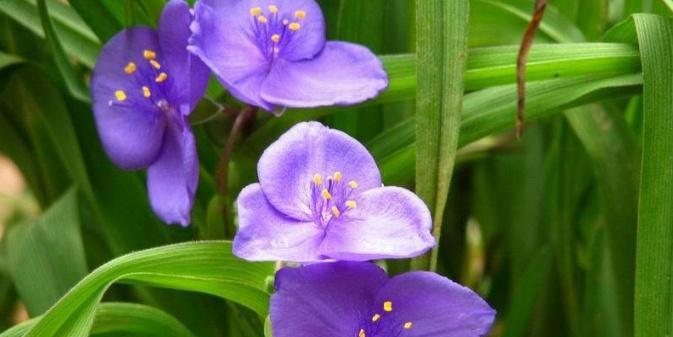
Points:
x=120, y=95
x=300, y=14
x=295, y=26
x=149, y=54
x=130, y=68
x=273, y=9
x=275, y=38
x=255, y=11
x=162, y=77
x=336, y=211
x=155, y=64
x=362, y=333
x=353, y=184
x=317, y=179
x=351, y=204
x=146, y=92
x=325, y=194
x=376, y=317
x=262, y=19
x=408, y=325
x=387, y=306
x=337, y=176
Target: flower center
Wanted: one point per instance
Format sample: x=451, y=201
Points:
x=273, y=29
x=331, y=198
x=382, y=324
x=149, y=83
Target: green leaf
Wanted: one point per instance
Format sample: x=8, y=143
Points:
x=531, y=282
x=122, y=319
x=487, y=67
x=490, y=111
x=654, y=290
x=73, y=81
x=555, y=25
x=607, y=139
x=48, y=249
x=441, y=38
x=77, y=39
x=207, y=267
x=98, y=17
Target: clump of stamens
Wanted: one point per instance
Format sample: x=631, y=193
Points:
x=331, y=198
x=275, y=26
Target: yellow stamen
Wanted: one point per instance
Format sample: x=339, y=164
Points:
x=294, y=26
x=351, y=204
x=337, y=176
x=162, y=77
x=362, y=333
x=275, y=38
x=336, y=211
x=146, y=92
x=130, y=68
x=120, y=95
x=326, y=195
x=155, y=64
x=262, y=19
x=255, y=11
x=353, y=184
x=273, y=9
x=408, y=325
x=300, y=14
x=149, y=54
x=317, y=179
x=376, y=317
x=387, y=306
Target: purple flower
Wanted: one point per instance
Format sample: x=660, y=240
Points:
x=357, y=299
x=271, y=53
x=144, y=86
x=320, y=197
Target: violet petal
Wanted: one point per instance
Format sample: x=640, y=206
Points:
x=288, y=166
x=386, y=222
x=264, y=234
x=343, y=74
x=326, y=299
x=131, y=128
x=432, y=305
x=173, y=178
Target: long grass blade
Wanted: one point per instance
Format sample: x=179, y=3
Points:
x=441, y=47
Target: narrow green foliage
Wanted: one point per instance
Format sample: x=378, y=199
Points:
x=72, y=80
x=47, y=249
x=125, y=319
x=654, y=270
x=207, y=267
x=98, y=17
x=441, y=47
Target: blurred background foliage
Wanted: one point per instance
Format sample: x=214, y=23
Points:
x=544, y=227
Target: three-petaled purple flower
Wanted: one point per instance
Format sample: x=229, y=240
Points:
x=273, y=53
x=144, y=86
x=320, y=197
x=357, y=299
